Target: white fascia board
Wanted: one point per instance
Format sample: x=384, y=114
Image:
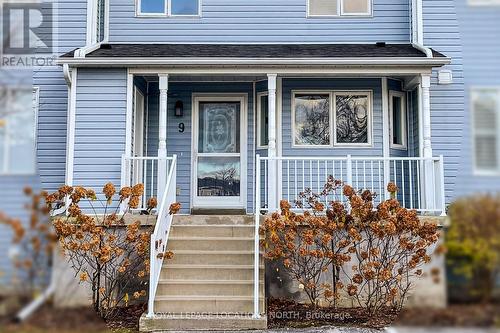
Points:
x=159, y=61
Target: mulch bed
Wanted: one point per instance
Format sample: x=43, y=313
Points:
x=289, y=314
x=127, y=317
x=82, y=319
x=455, y=315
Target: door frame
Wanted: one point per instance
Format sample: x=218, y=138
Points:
x=213, y=202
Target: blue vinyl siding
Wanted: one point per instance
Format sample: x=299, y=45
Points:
x=480, y=31
x=70, y=34
x=180, y=143
x=101, y=107
x=278, y=21
x=12, y=201
x=441, y=32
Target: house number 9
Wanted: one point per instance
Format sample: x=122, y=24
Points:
x=181, y=128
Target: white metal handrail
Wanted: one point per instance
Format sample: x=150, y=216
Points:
x=420, y=180
x=159, y=238
x=144, y=170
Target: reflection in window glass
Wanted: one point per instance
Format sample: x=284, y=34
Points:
x=219, y=176
x=312, y=119
x=356, y=7
x=323, y=7
x=397, y=121
x=264, y=121
x=17, y=135
x=352, y=116
x=184, y=7
x=153, y=6
x=219, y=127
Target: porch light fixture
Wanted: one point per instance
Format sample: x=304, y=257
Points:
x=179, y=109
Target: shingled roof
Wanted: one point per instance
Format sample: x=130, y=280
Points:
x=264, y=51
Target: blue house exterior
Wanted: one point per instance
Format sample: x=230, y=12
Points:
x=480, y=170
x=17, y=167
x=226, y=105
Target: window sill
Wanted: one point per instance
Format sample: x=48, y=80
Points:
x=166, y=16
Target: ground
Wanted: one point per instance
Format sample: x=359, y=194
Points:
x=84, y=320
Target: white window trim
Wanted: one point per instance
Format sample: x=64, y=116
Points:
x=167, y=11
x=404, y=122
x=259, y=120
x=340, y=11
x=330, y=113
x=477, y=171
x=483, y=3
x=369, y=93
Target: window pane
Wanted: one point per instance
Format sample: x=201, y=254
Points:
x=397, y=118
x=352, y=118
x=312, y=120
x=219, y=128
x=264, y=121
x=184, y=7
x=17, y=139
x=486, y=148
x=219, y=176
x=356, y=6
x=323, y=7
x=485, y=106
x=153, y=6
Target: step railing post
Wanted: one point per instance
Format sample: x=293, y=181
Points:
x=256, y=275
x=441, y=181
x=349, y=170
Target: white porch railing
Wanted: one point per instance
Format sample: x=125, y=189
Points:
x=144, y=170
x=159, y=238
x=420, y=180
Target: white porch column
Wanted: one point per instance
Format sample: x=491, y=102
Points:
x=429, y=188
x=272, y=173
x=386, y=145
x=162, y=135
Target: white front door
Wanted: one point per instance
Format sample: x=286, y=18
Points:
x=219, y=151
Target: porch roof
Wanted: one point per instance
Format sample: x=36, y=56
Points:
x=379, y=54
x=286, y=51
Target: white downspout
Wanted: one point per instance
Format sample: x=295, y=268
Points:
x=417, y=27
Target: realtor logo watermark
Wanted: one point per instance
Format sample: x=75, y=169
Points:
x=28, y=34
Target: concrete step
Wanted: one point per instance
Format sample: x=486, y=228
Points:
x=211, y=243
x=209, y=272
x=205, y=304
x=185, y=257
x=207, y=287
x=200, y=323
x=213, y=219
x=192, y=230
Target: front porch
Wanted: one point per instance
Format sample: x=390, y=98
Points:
x=240, y=127
x=229, y=155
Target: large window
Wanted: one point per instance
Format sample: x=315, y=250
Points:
x=397, y=107
x=311, y=119
x=486, y=130
x=336, y=118
x=17, y=130
x=353, y=118
x=168, y=7
x=327, y=8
